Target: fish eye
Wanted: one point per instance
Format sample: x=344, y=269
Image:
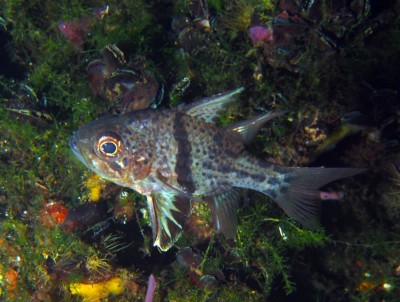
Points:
x=109, y=146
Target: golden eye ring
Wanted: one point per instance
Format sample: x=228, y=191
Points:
x=109, y=146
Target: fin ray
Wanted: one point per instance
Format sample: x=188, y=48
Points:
x=224, y=212
x=299, y=195
x=211, y=107
x=168, y=214
x=248, y=129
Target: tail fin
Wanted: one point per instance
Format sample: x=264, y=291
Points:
x=299, y=195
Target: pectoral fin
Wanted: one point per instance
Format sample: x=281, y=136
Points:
x=168, y=214
x=224, y=212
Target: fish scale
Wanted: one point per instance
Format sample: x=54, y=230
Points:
x=174, y=156
x=192, y=154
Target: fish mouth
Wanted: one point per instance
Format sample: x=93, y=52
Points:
x=73, y=144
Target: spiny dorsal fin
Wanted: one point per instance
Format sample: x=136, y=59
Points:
x=168, y=214
x=210, y=108
x=224, y=212
x=248, y=129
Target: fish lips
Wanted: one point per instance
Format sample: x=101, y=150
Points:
x=74, y=145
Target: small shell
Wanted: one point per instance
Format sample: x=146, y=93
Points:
x=141, y=97
x=125, y=84
x=113, y=57
x=97, y=74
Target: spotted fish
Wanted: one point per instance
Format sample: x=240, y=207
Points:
x=175, y=156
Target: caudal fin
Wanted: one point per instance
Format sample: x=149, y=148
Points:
x=299, y=194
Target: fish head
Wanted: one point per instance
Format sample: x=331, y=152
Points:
x=113, y=151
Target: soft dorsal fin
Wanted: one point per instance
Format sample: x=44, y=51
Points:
x=248, y=129
x=211, y=107
x=168, y=214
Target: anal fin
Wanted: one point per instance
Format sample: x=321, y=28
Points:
x=224, y=212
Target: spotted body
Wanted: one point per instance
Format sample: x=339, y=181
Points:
x=174, y=156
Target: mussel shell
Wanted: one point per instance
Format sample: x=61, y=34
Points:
x=156, y=101
x=143, y=96
x=119, y=83
x=113, y=57
x=26, y=107
x=97, y=74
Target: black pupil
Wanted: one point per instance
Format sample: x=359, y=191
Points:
x=109, y=148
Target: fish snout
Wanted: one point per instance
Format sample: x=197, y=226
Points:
x=73, y=144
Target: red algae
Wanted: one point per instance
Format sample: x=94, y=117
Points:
x=260, y=34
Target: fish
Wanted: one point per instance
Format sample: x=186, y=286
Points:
x=180, y=155
x=350, y=124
